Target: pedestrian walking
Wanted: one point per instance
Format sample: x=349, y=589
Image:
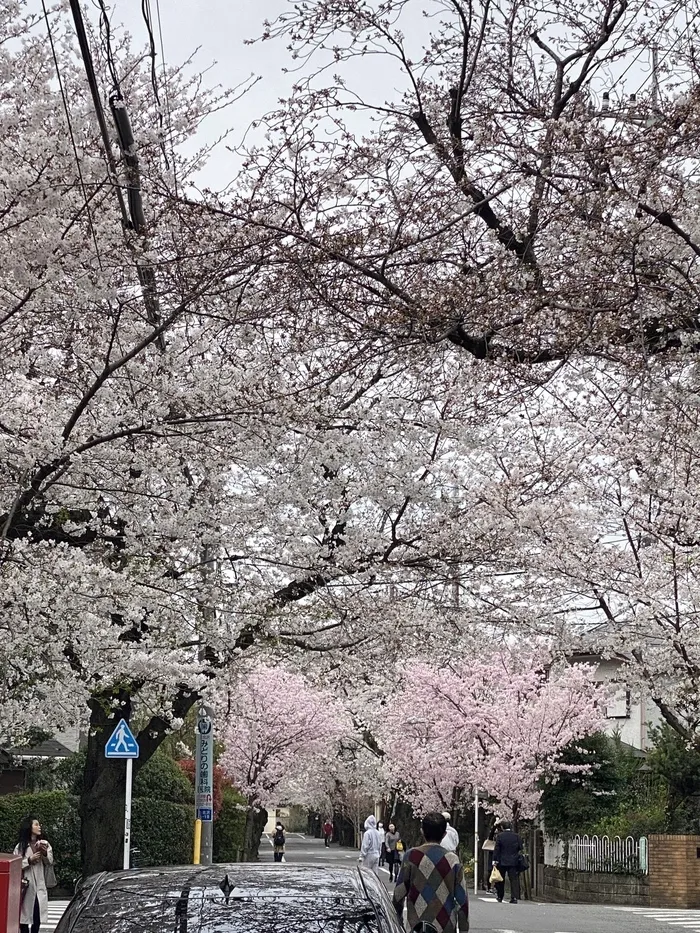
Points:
x=507, y=858
x=37, y=875
x=393, y=859
x=382, y=847
x=371, y=847
x=328, y=831
x=431, y=882
x=451, y=840
x=279, y=841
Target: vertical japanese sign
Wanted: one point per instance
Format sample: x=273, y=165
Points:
x=204, y=780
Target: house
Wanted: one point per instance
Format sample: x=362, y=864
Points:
x=630, y=714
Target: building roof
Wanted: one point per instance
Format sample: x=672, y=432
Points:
x=51, y=748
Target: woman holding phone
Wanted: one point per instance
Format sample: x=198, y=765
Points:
x=37, y=875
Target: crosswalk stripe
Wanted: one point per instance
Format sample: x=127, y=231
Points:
x=672, y=916
x=55, y=911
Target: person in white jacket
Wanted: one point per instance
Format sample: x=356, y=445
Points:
x=37, y=863
x=451, y=840
x=371, y=847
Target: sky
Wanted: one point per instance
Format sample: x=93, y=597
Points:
x=219, y=30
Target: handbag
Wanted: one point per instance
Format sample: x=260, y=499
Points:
x=23, y=891
x=49, y=875
x=523, y=863
x=495, y=877
x=489, y=845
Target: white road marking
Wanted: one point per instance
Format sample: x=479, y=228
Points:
x=55, y=912
x=676, y=917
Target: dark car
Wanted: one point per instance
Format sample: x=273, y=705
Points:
x=241, y=898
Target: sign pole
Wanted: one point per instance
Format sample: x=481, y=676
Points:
x=476, y=840
x=122, y=744
x=127, y=812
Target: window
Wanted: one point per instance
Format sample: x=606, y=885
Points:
x=619, y=707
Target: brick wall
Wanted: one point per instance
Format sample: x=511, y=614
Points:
x=589, y=887
x=674, y=871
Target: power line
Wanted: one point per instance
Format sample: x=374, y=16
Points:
x=106, y=35
x=70, y=132
x=146, y=10
x=97, y=102
x=657, y=64
x=166, y=90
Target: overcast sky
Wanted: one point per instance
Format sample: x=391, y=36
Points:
x=219, y=29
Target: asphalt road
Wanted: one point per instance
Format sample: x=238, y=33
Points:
x=487, y=916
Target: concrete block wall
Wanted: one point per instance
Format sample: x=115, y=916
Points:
x=588, y=887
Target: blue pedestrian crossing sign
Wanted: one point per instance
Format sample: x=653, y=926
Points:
x=122, y=743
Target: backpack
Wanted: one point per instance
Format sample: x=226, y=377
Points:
x=279, y=838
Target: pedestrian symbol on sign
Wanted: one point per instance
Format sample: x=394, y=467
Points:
x=122, y=743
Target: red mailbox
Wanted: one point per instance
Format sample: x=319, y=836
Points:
x=10, y=889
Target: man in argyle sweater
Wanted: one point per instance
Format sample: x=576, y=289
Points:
x=432, y=882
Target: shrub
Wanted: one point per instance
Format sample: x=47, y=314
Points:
x=162, y=779
x=162, y=831
x=229, y=827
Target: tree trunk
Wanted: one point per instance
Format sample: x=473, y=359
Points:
x=255, y=820
x=102, y=818
x=101, y=804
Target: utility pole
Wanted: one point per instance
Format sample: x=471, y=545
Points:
x=133, y=217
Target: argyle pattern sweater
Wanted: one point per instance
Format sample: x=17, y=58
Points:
x=431, y=881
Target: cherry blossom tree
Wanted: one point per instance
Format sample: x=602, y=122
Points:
x=292, y=419
x=496, y=199
x=496, y=724
x=281, y=739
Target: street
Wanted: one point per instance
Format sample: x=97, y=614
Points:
x=488, y=916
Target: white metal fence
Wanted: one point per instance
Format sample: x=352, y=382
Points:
x=599, y=853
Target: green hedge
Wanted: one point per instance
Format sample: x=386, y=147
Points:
x=162, y=831
x=57, y=812
x=229, y=827
x=163, y=779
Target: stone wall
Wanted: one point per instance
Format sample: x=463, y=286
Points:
x=589, y=887
x=674, y=871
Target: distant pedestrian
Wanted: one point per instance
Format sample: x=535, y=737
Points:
x=431, y=881
x=328, y=832
x=507, y=857
x=279, y=840
x=37, y=875
x=382, y=847
x=371, y=847
x=451, y=840
x=393, y=859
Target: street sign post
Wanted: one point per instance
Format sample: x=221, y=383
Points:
x=204, y=783
x=122, y=744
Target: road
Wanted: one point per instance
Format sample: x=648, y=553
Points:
x=488, y=916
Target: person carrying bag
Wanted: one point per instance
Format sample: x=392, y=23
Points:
x=38, y=875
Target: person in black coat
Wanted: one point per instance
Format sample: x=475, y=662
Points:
x=506, y=856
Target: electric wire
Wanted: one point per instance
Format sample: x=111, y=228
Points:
x=148, y=19
x=97, y=102
x=106, y=36
x=644, y=48
x=166, y=92
x=670, y=49
x=71, y=133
